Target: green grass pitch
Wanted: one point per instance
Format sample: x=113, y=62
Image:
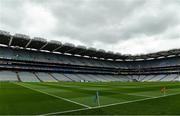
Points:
x=70, y=98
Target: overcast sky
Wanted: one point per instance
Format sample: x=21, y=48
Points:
x=125, y=26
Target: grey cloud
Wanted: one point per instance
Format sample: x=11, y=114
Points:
x=101, y=20
x=11, y=12
x=107, y=22
x=150, y=26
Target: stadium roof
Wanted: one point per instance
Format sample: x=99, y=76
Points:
x=24, y=41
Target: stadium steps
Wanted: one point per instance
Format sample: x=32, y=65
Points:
x=85, y=77
x=107, y=78
x=123, y=78
x=151, y=78
x=19, y=79
x=80, y=77
x=148, y=77
x=27, y=77
x=68, y=77
x=74, y=77
x=93, y=77
x=135, y=77
x=144, y=76
x=163, y=78
x=176, y=78
x=61, y=77
x=170, y=77
x=130, y=77
x=96, y=77
x=102, y=78
x=110, y=78
x=115, y=77
x=157, y=77
x=53, y=77
x=45, y=77
x=37, y=77
x=141, y=77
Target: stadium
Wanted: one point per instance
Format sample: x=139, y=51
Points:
x=89, y=57
x=40, y=77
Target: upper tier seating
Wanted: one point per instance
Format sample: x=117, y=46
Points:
x=29, y=55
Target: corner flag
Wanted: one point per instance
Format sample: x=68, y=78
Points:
x=96, y=98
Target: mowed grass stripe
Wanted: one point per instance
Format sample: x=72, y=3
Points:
x=114, y=87
x=110, y=90
x=124, y=85
x=74, y=94
x=85, y=96
x=160, y=105
x=89, y=90
x=17, y=100
x=62, y=112
x=62, y=98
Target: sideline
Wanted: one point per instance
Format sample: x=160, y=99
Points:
x=62, y=98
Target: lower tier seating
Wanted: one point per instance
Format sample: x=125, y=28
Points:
x=8, y=76
x=28, y=77
x=11, y=76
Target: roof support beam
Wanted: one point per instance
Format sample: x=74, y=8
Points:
x=28, y=43
x=70, y=50
x=57, y=48
x=10, y=41
x=44, y=46
x=79, y=53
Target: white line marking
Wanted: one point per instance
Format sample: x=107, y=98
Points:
x=133, y=94
x=120, y=103
x=53, y=113
x=54, y=96
x=138, y=95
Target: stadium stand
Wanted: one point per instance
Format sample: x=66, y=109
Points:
x=73, y=77
x=35, y=59
x=45, y=77
x=8, y=76
x=86, y=77
x=60, y=77
x=148, y=77
x=177, y=78
x=28, y=77
x=170, y=77
x=158, y=78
